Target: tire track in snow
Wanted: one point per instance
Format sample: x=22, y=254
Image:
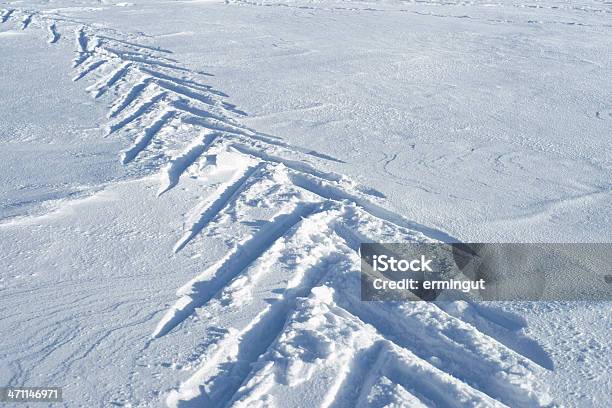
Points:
x=147, y=135
x=232, y=363
x=385, y=361
x=150, y=93
x=6, y=14
x=179, y=164
x=54, y=35
x=27, y=20
x=468, y=354
x=199, y=291
x=225, y=194
x=105, y=84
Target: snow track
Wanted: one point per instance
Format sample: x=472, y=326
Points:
x=288, y=287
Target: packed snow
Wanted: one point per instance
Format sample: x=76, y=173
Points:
x=184, y=186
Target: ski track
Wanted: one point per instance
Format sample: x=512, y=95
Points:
x=307, y=326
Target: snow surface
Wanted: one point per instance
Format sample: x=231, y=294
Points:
x=184, y=185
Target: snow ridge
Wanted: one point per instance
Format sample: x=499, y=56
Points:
x=289, y=284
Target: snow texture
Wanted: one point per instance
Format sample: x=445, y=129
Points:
x=215, y=263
